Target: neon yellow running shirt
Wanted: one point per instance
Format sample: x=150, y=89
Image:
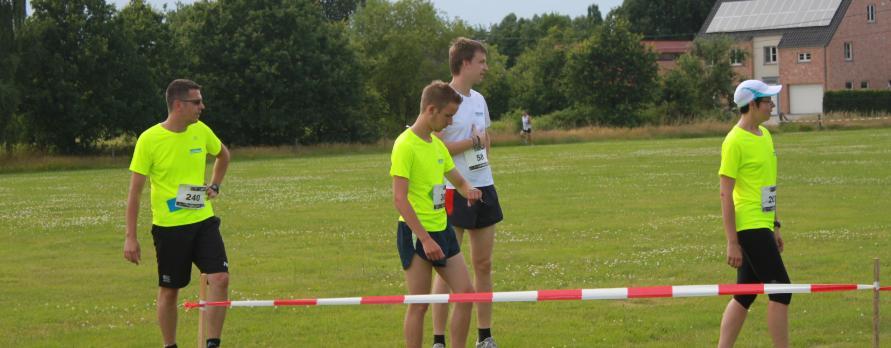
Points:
x=170, y=159
x=752, y=161
x=424, y=165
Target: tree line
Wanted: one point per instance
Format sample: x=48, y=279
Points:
x=76, y=73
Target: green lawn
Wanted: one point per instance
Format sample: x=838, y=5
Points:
x=605, y=214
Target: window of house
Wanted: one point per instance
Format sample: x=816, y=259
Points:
x=871, y=13
x=770, y=55
x=736, y=57
x=864, y=84
x=889, y=83
x=849, y=85
x=804, y=57
x=849, y=51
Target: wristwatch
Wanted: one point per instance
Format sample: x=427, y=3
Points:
x=776, y=223
x=215, y=187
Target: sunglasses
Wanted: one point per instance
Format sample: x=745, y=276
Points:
x=193, y=101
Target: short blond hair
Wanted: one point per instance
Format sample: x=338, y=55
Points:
x=439, y=94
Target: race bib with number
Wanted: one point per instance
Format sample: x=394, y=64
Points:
x=476, y=158
x=439, y=192
x=190, y=196
x=768, y=198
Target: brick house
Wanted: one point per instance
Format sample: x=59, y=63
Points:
x=808, y=46
x=668, y=52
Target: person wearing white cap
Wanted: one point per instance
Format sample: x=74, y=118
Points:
x=748, y=176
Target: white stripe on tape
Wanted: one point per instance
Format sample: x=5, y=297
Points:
x=694, y=290
x=252, y=303
x=605, y=294
x=515, y=296
x=787, y=288
x=435, y=298
x=341, y=301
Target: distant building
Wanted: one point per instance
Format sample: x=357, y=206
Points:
x=668, y=52
x=808, y=46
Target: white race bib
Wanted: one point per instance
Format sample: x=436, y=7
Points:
x=439, y=192
x=190, y=196
x=768, y=199
x=476, y=158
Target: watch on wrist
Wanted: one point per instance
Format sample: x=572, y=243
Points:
x=215, y=187
x=777, y=224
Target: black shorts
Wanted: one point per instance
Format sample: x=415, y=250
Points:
x=408, y=245
x=527, y=130
x=762, y=263
x=484, y=213
x=177, y=247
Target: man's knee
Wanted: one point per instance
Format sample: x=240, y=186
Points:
x=167, y=295
x=482, y=265
x=418, y=309
x=220, y=280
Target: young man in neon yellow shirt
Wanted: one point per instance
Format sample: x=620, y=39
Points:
x=184, y=229
x=425, y=240
x=748, y=200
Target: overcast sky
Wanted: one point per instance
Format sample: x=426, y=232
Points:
x=481, y=12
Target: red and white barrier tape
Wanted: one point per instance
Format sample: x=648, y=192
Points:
x=557, y=295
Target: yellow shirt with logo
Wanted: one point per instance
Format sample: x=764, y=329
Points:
x=170, y=159
x=752, y=161
x=423, y=164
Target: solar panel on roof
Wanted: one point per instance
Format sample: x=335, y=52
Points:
x=772, y=14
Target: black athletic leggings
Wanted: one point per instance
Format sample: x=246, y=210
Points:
x=761, y=264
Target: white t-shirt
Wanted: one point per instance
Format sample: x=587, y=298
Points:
x=473, y=112
x=526, y=124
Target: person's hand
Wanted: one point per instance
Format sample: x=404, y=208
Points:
x=131, y=250
x=433, y=251
x=472, y=195
x=779, y=238
x=734, y=254
x=211, y=193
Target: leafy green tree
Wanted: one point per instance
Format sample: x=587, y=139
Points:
x=12, y=17
x=147, y=28
x=79, y=74
x=537, y=77
x=611, y=71
x=274, y=71
x=338, y=10
x=703, y=80
x=666, y=18
x=403, y=45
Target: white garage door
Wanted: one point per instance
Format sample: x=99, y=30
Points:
x=806, y=99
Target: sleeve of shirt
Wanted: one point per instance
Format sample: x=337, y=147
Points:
x=142, y=160
x=214, y=145
x=449, y=164
x=401, y=161
x=488, y=118
x=730, y=157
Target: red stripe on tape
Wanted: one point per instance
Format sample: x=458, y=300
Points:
x=383, y=300
x=471, y=297
x=740, y=289
x=190, y=305
x=559, y=295
x=885, y=288
x=300, y=302
x=650, y=291
x=832, y=287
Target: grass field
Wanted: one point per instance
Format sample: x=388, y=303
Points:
x=590, y=215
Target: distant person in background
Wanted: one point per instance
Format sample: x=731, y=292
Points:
x=748, y=177
x=174, y=154
x=526, y=132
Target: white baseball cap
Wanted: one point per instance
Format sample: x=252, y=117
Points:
x=748, y=90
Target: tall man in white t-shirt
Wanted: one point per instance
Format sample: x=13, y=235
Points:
x=468, y=143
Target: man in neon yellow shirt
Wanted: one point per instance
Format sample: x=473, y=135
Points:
x=424, y=237
x=748, y=200
x=184, y=229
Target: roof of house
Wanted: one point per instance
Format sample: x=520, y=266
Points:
x=669, y=46
x=801, y=23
